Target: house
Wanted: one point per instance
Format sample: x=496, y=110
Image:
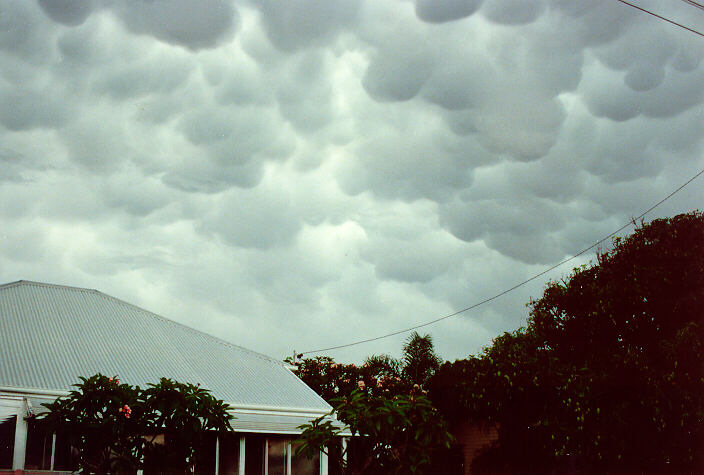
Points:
x=52, y=334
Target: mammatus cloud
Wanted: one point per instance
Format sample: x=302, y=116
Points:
x=299, y=174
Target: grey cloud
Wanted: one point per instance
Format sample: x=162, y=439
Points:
x=145, y=78
x=196, y=174
x=24, y=242
x=644, y=77
x=243, y=83
x=304, y=94
x=26, y=108
x=608, y=96
x=11, y=167
x=460, y=83
x=418, y=260
x=256, y=218
x=67, y=12
x=528, y=248
x=522, y=126
x=97, y=142
x=397, y=79
x=119, y=192
x=521, y=232
x=555, y=177
x=410, y=163
x=22, y=32
x=293, y=24
x=232, y=138
x=440, y=11
x=513, y=12
x=593, y=23
x=190, y=23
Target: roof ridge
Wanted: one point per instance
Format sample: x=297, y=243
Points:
x=145, y=311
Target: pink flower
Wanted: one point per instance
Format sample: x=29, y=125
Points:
x=360, y=384
x=379, y=383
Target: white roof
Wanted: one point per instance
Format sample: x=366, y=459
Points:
x=51, y=334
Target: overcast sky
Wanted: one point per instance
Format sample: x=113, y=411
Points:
x=297, y=174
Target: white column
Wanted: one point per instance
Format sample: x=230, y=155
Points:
x=323, y=463
x=240, y=462
x=217, y=454
x=20, y=440
x=288, y=458
x=344, y=450
x=53, y=452
x=266, y=456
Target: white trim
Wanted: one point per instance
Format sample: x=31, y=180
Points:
x=282, y=409
x=33, y=391
x=254, y=408
x=266, y=456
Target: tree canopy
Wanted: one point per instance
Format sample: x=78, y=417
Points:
x=383, y=402
x=607, y=373
x=117, y=427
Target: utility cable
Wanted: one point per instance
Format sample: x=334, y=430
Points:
x=694, y=4
x=510, y=289
x=662, y=17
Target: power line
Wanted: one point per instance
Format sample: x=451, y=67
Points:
x=694, y=4
x=510, y=289
x=662, y=17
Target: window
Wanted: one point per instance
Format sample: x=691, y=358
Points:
x=277, y=456
x=254, y=455
x=302, y=465
x=38, y=452
x=205, y=455
x=7, y=442
x=65, y=456
x=229, y=454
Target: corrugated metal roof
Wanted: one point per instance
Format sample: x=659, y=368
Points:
x=51, y=334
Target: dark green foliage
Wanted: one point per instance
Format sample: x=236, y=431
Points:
x=184, y=414
x=117, y=427
x=397, y=435
x=95, y=419
x=608, y=373
x=419, y=359
x=384, y=403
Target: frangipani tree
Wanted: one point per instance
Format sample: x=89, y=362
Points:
x=117, y=427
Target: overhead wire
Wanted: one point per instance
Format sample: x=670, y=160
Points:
x=662, y=17
x=510, y=289
x=694, y=4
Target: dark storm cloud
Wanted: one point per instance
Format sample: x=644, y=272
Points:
x=67, y=12
x=311, y=172
x=189, y=23
x=439, y=11
x=513, y=12
x=30, y=107
x=293, y=24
